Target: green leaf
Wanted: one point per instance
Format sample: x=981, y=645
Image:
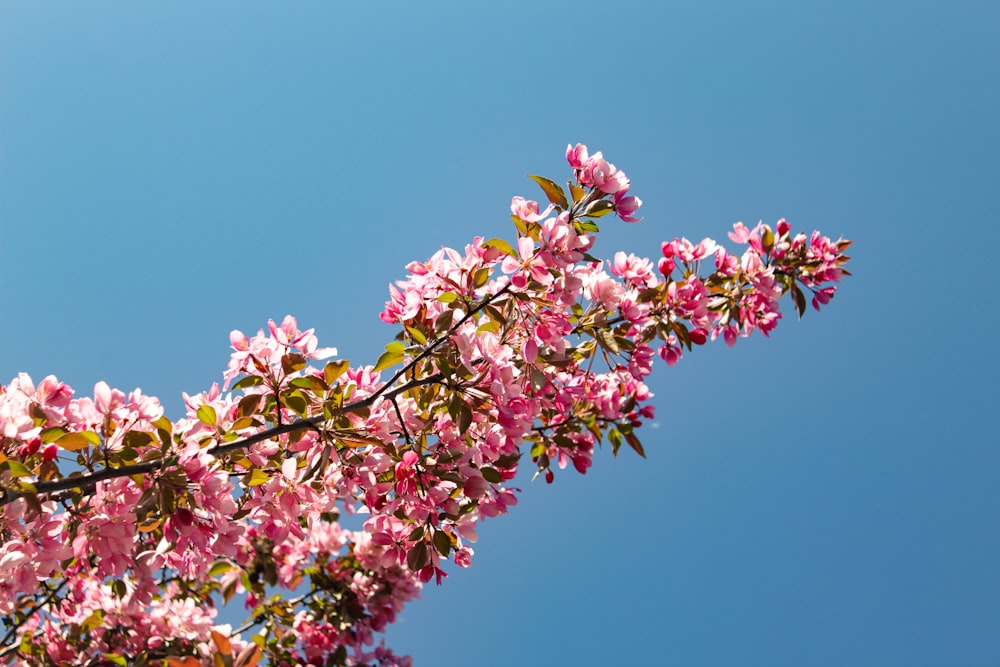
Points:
x=334, y=369
x=16, y=468
x=442, y=543
x=767, y=239
x=395, y=347
x=74, y=442
x=297, y=402
x=93, y=621
x=417, y=558
x=633, y=442
x=52, y=434
x=256, y=477
x=552, y=190
x=388, y=359
x=616, y=441
x=799, y=298
x=219, y=568
x=607, y=340
x=481, y=277
x=500, y=245
x=292, y=362
x=248, y=405
x=244, y=422
x=136, y=439
x=117, y=659
x=447, y=297
x=464, y=418
x=206, y=415
x=309, y=383
x=491, y=475
x=248, y=381
x=417, y=335
x=599, y=208
x=520, y=225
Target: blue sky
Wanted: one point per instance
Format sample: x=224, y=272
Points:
x=171, y=171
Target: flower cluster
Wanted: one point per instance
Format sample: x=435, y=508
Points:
x=121, y=529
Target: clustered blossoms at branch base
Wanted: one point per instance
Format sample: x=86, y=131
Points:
x=123, y=530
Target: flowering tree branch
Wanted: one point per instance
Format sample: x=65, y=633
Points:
x=510, y=350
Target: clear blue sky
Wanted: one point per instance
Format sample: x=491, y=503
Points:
x=170, y=171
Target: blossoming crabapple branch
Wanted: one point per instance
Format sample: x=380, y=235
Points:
x=531, y=347
x=386, y=391
x=90, y=479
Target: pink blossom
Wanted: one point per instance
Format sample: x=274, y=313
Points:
x=626, y=206
x=605, y=176
x=527, y=210
x=577, y=156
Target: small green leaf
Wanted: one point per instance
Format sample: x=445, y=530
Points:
x=491, y=475
x=767, y=239
x=334, y=369
x=447, y=297
x=481, y=277
x=248, y=405
x=248, y=381
x=244, y=422
x=442, y=543
x=552, y=190
x=464, y=418
x=117, y=659
x=297, y=402
x=292, y=362
x=52, y=434
x=93, y=621
x=417, y=558
x=633, y=442
x=206, y=415
x=395, y=347
x=607, y=340
x=599, y=208
x=501, y=245
x=616, y=441
x=388, y=359
x=76, y=441
x=799, y=298
x=219, y=568
x=136, y=439
x=309, y=383
x=256, y=477
x=16, y=468
x=417, y=335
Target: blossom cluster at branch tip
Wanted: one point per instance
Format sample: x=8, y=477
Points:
x=122, y=529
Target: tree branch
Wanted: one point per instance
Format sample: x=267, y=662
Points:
x=386, y=391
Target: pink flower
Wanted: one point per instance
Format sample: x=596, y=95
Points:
x=605, y=176
x=532, y=264
x=577, y=156
x=626, y=206
x=636, y=270
x=527, y=210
